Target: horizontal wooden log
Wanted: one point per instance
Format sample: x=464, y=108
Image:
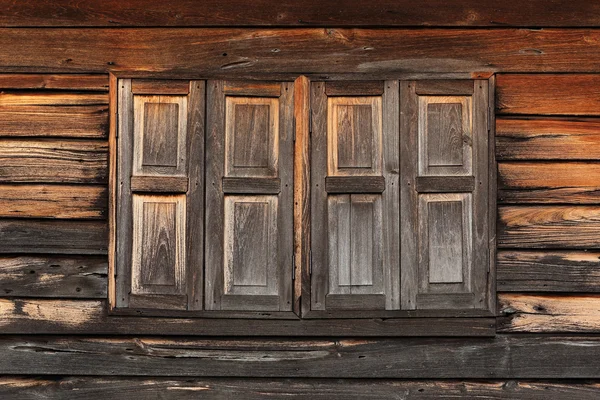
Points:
x=544, y=138
x=549, y=94
x=534, y=13
x=283, y=53
x=53, y=201
x=549, y=313
x=53, y=276
x=54, y=82
x=51, y=160
x=55, y=237
x=502, y=357
x=85, y=388
x=531, y=182
x=566, y=227
x=54, y=121
x=27, y=316
x=8, y=99
x=548, y=271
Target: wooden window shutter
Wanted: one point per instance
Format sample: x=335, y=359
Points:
x=355, y=196
x=159, y=212
x=249, y=196
x=444, y=196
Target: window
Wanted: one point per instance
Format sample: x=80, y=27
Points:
x=397, y=185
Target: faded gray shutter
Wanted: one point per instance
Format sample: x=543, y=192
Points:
x=444, y=195
x=249, y=196
x=159, y=194
x=355, y=196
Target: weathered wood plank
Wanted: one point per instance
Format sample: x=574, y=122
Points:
x=54, y=121
x=78, y=82
x=549, y=271
x=54, y=237
x=548, y=94
x=53, y=276
x=49, y=161
x=573, y=227
x=53, y=201
x=530, y=182
x=278, y=53
x=151, y=388
x=543, y=138
x=502, y=357
x=9, y=99
x=549, y=313
x=25, y=316
x=535, y=13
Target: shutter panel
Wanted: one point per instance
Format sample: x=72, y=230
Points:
x=159, y=192
x=444, y=195
x=355, y=196
x=249, y=196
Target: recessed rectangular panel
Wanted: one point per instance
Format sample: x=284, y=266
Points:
x=250, y=245
x=354, y=135
x=445, y=135
x=158, y=262
x=252, y=137
x=159, y=140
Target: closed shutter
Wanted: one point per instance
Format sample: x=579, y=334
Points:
x=249, y=196
x=444, y=195
x=355, y=196
x=159, y=194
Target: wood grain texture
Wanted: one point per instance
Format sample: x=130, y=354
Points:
x=537, y=227
x=153, y=388
x=26, y=316
x=530, y=182
x=537, y=13
x=355, y=184
x=54, y=121
x=160, y=87
x=503, y=357
x=53, y=201
x=79, y=82
x=53, y=276
x=53, y=161
x=547, y=138
x=277, y=53
x=534, y=313
x=549, y=94
x=548, y=271
x=10, y=99
x=53, y=237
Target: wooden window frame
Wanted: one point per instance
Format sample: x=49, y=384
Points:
x=302, y=319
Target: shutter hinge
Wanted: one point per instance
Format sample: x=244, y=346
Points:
x=310, y=262
x=310, y=120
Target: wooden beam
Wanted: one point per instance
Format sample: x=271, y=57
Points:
x=84, y=388
x=54, y=82
x=534, y=13
x=502, y=357
x=283, y=53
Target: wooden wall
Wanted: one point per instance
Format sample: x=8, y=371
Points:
x=57, y=340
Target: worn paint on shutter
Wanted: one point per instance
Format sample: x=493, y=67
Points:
x=444, y=195
x=249, y=196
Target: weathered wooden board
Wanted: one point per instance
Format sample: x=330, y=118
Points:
x=26, y=316
x=54, y=121
x=549, y=94
x=531, y=182
x=53, y=201
x=8, y=99
x=150, y=388
x=276, y=53
x=548, y=271
x=49, y=161
x=535, y=13
x=549, y=313
x=53, y=276
x=53, y=237
x=547, y=138
x=573, y=227
x=79, y=82
x=502, y=357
